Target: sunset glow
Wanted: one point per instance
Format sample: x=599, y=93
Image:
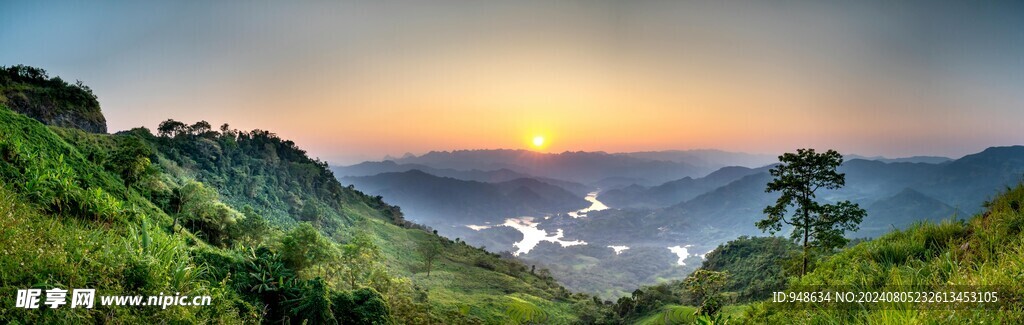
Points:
x=609, y=77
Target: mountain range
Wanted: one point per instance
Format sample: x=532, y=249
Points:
x=696, y=211
x=443, y=200
x=580, y=167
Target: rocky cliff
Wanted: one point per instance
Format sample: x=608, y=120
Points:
x=53, y=101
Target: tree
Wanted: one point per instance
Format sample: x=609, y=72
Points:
x=267, y=277
x=192, y=199
x=200, y=211
x=313, y=305
x=359, y=258
x=361, y=306
x=310, y=212
x=200, y=128
x=170, y=128
x=815, y=225
x=304, y=246
x=705, y=286
x=131, y=160
x=430, y=251
x=251, y=230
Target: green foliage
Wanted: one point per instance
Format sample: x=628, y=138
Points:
x=131, y=160
x=252, y=230
x=313, y=304
x=359, y=259
x=40, y=250
x=31, y=91
x=200, y=211
x=816, y=225
x=430, y=250
x=756, y=265
x=304, y=246
x=705, y=286
x=54, y=175
x=261, y=170
x=363, y=306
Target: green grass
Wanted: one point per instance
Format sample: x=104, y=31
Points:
x=676, y=314
x=457, y=282
x=987, y=250
x=44, y=251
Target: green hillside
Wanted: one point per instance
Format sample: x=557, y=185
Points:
x=983, y=253
x=245, y=217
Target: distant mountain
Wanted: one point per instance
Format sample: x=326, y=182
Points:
x=869, y=180
x=370, y=168
x=676, y=191
x=918, y=159
x=615, y=182
x=914, y=159
x=901, y=210
x=969, y=181
x=733, y=206
x=580, y=167
x=707, y=158
x=443, y=200
x=895, y=194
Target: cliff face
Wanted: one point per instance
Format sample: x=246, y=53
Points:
x=53, y=101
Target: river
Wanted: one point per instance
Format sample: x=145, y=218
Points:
x=532, y=235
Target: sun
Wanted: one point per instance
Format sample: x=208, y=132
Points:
x=538, y=141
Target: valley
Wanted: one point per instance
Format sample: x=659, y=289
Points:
x=568, y=162
x=671, y=225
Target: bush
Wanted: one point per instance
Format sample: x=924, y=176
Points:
x=312, y=305
x=361, y=307
x=304, y=246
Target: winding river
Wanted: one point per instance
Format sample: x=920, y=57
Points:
x=532, y=235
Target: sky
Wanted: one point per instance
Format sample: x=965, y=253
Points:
x=351, y=81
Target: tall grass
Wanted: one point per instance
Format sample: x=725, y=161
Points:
x=986, y=251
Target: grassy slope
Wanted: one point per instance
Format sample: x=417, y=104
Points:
x=987, y=250
x=47, y=249
x=77, y=252
x=676, y=314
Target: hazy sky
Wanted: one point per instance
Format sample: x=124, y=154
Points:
x=357, y=80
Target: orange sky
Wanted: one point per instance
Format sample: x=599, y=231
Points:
x=356, y=81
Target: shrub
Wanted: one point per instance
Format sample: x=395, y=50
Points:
x=363, y=306
x=312, y=305
x=304, y=246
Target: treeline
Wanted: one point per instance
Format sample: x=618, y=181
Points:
x=259, y=169
x=75, y=95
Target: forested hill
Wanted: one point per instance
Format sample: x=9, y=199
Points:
x=245, y=217
x=31, y=91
